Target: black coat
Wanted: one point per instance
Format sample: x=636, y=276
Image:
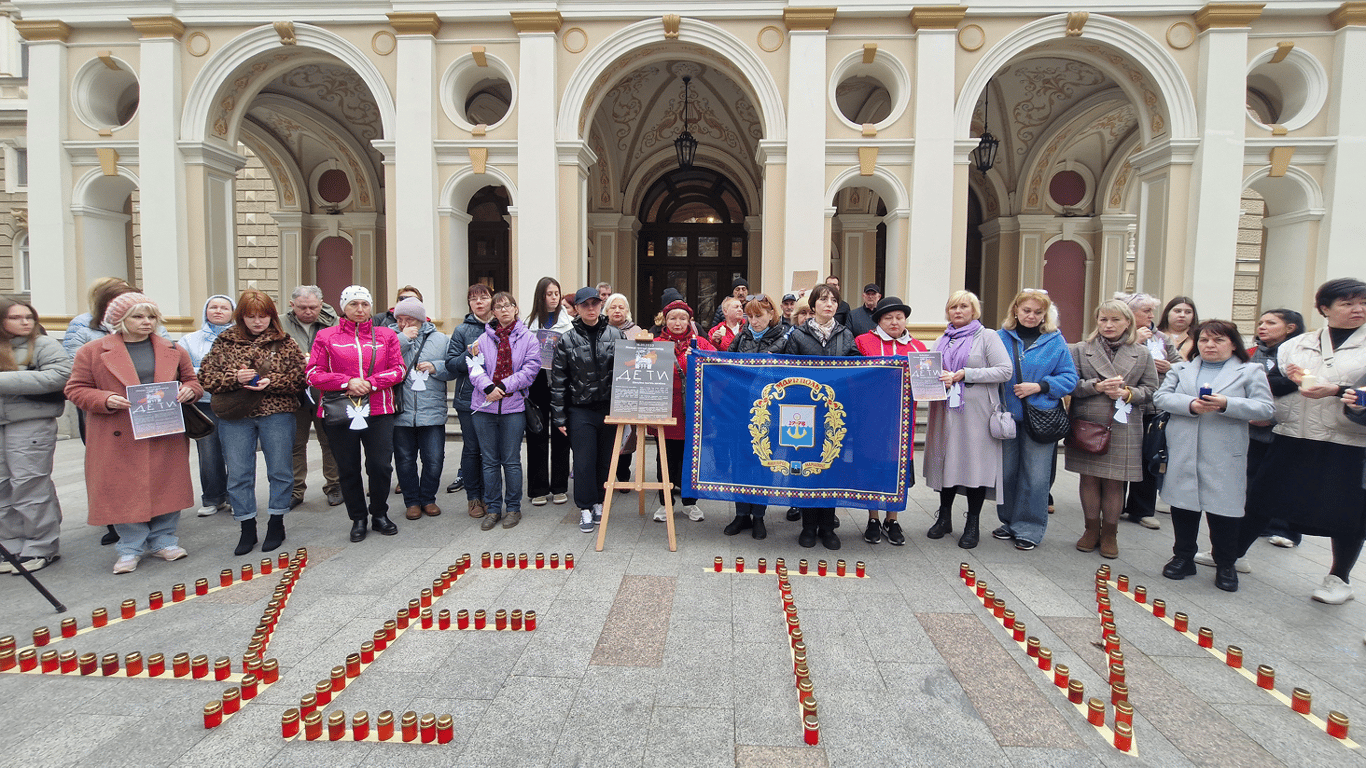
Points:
x=773, y=341
x=803, y=341
x=861, y=320
x=457, y=362
x=582, y=373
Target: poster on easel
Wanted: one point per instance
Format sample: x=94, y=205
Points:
x=155, y=411
x=643, y=380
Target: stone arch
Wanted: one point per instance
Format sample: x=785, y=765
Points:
x=583, y=97
x=106, y=233
x=896, y=199
x=213, y=81
x=891, y=189
x=1294, y=207
x=664, y=160
x=1126, y=39
x=464, y=183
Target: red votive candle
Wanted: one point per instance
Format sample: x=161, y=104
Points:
x=426, y=618
x=270, y=671
x=500, y=619
x=443, y=619
x=1095, y=712
x=1300, y=700
x=554, y=559
x=811, y=730
x=1266, y=677
x=1181, y=622
x=384, y=726
x=820, y=567
x=225, y=577
x=540, y=560
x=232, y=701
x=180, y=664
x=1076, y=691
x=530, y=622
x=427, y=727
x=1124, y=713
x=1337, y=725
x=860, y=570
x=213, y=714
x=763, y=565
x=486, y=560
x=360, y=726
x=521, y=561
x=99, y=617
x=1124, y=737
x=1206, y=638
x=250, y=687
x=716, y=564
x=199, y=667
x=222, y=668
x=569, y=560
x=739, y=565
x=313, y=726
x=480, y=619
x=1234, y=656
x=336, y=726
x=445, y=729
x=408, y=726
x=1140, y=594
x=156, y=665
x=802, y=566
x=516, y=620
x=289, y=723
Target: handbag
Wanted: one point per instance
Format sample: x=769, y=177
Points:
x=535, y=423
x=341, y=408
x=1043, y=425
x=1088, y=436
x=1155, y=447
x=197, y=425
x=1001, y=425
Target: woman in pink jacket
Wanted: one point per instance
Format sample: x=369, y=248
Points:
x=361, y=364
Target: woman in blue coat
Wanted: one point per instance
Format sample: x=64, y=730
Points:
x=1211, y=399
x=1043, y=375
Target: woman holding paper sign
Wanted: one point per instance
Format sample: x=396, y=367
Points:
x=358, y=367
x=420, y=431
x=138, y=486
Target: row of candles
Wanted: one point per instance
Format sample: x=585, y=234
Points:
x=426, y=729
x=1095, y=708
x=1300, y=700
x=520, y=561
x=811, y=729
x=803, y=567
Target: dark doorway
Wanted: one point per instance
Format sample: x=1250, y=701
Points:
x=972, y=267
x=489, y=239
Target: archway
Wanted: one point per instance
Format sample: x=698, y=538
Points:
x=489, y=241
x=1288, y=229
x=104, y=208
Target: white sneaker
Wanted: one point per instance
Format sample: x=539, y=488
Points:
x=1241, y=564
x=1150, y=522
x=1282, y=542
x=597, y=514
x=1333, y=591
x=1204, y=558
x=586, y=520
x=5, y=567
x=126, y=564
x=538, y=501
x=661, y=516
x=209, y=510
x=694, y=513
x=170, y=553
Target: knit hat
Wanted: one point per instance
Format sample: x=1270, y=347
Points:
x=118, y=308
x=671, y=295
x=353, y=292
x=683, y=305
x=410, y=307
x=739, y=281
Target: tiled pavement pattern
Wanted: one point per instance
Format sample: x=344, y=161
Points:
x=645, y=657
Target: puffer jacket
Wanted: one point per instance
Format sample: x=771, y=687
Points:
x=582, y=374
x=272, y=352
x=526, y=363
x=198, y=343
x=428, y=407
x=345, y=351
x=79, y=333
x=1048, y=361
x=803, y=341
x=1322, y=419
x=771, y=341
x=46, y=370
x=457, y=361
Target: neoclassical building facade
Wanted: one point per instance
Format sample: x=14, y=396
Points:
x=204, y=147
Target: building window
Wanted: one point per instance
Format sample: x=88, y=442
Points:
x=22, y=281
x=16, y=167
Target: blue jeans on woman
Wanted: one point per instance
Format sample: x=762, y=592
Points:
x=428, y=443
x=138, y=539
x=471, y=465
x=1025, y=469
x=500, y=443
x=276, y=435
x=213, y=472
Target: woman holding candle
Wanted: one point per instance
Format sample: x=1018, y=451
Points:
x=960, y=451
x=889, y=338
x=480, y=299
x=1211, y=399
x=365, y=363
x=141, y=494
x=33, y=371
x=547, y=451
x=1315, y=442
x=1043, y=375
x=1115, y=376
x=678, y=329
x=762, y=334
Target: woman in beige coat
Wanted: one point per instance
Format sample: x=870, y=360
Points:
x=1115, y=375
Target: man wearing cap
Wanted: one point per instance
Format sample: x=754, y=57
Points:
x=580, y=397
x=740, y=290
x=861, y=318
x=789, y=306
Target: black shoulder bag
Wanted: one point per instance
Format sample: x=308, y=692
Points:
x=1042, y=425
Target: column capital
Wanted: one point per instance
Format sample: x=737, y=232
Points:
x=414, y=23
x=537, y=21
x=808, y=19
x=1349, y=14
x=40, y=30
x=158, y=26
x=937, y=17
x=1227, y=15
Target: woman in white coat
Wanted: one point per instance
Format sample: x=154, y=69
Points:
x=1211, y=399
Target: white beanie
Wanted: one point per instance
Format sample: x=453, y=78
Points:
x=410, y=307
x=355, y=292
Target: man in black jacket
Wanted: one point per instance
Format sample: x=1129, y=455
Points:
x=580, y=397
x=861, y=317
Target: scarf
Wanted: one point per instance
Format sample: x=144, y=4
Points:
x=823, y=332
x=502, y=369
x=1110, y=347
x=681, y=340
x=956, y=344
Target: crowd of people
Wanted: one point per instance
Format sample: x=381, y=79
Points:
x=1228, y=422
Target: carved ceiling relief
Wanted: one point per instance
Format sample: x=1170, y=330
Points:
x=279, y=175
x=624, y=105
x=1046, y=86
x=239, y=84
x=336, y=90
x=602, y=170
x=1157, y=120
x=1116, y=200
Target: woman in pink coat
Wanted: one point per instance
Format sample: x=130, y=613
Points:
x=138, y=486
x=365, y=362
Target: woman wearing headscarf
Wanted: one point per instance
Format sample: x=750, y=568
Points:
x=365, y=363
x=678, y=329
x=138, y=486
x=213, y=472
x=33, y=371
x=617, y=310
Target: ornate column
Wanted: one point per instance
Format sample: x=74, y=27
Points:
x=1221, y=98
x=414, y=154
x=772, y=157
x=290, y=224
x=805, y=224
x=539, y=187
x=1344, y=195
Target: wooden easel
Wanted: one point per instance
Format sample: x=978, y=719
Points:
x=640, y=485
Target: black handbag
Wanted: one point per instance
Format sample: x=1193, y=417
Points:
x=1155, y=447
x=197, y=425
x=335, y=402
x=535, y=424
x=1043, y=425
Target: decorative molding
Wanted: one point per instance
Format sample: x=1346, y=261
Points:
x=769, y=39
x=479, y=158
x=480, y=55
x=937, y=17
x=1180, y=35
x=867, y=160
x=1349, y=14
x=197, y=44
x=1075, y=21
x=671, y=24
x=109, y=160
x=1164, y=153
x=387, y=46
x=158, y=26
x=414, y=22
x=574, y=40
x=971, y=38
x=1227, y=15
x=869, y=52
x=1283, y=49
x=42, y=30
x=537, y=21
x=285, y=29
x=808, y=19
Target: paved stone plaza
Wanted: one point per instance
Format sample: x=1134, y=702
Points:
x=645, y=657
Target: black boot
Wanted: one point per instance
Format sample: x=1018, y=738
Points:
x=809, y=523
x=793, y=515
x=826, y=532
x=109, y=537
x=969, y=538
x=358, y=530
x=248, y=541
x=1226, y=578
x=1180, y=567
x=758, y=531
x=943, y=525
x=275, y=533
x=740, y=523
x=383, y=524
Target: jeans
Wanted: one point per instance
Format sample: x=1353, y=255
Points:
x=500, y=442
x=593, y=443
x=674, y=451
x=213, y=472
x=304, y=418
x=137, y=539
x=430, y=444
x=744, y=508
x=1025, y=467
x=547, y=454
x=30, y=515
x=471, y=462
x=276, y=435
x=378, y=439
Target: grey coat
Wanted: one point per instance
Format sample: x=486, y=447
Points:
x=46, y=371
x=1124, y=460
x=428, y=407
x=959, y=448
x=1207, y=455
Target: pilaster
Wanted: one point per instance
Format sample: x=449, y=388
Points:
x=415, y=236
x=540, y=187
x=931, y=243
x=1344, y=227
x=53, y=267
x=805, y=224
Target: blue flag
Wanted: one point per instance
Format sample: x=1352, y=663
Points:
x=798, y=431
